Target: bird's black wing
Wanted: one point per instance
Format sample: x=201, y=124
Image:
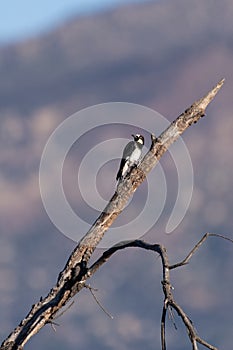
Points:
x=126, y=153
x=118, y=177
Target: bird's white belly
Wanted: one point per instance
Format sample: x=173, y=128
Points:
x=130, y=162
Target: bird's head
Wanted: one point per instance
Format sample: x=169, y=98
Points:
x=138, y=138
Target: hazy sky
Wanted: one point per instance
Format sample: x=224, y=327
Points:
x=20, y=19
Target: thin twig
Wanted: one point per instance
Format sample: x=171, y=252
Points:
x=172, y=317
x=97, y=301
x=63, y=311
x=197, y=246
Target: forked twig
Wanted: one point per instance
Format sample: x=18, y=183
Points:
x=197, y=246
x=51, y=321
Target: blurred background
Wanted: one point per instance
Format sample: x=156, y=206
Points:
x=59, y=57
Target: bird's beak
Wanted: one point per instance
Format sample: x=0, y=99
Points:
x=133, y=135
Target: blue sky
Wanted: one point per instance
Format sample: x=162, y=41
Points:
x=25, y=18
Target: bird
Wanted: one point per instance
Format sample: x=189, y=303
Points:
x=131, y=155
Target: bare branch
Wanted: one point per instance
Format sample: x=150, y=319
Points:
x=169, y=300
x=163, y=321
x=197, y=246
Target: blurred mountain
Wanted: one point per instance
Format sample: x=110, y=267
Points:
x=115, y=55
x=163, y=55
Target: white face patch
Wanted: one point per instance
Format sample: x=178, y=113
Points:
x=139, y=139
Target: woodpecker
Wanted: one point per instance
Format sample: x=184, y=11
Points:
x=131, y=156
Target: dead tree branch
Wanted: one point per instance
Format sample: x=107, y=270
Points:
x=73, y=277
x=169, y=300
